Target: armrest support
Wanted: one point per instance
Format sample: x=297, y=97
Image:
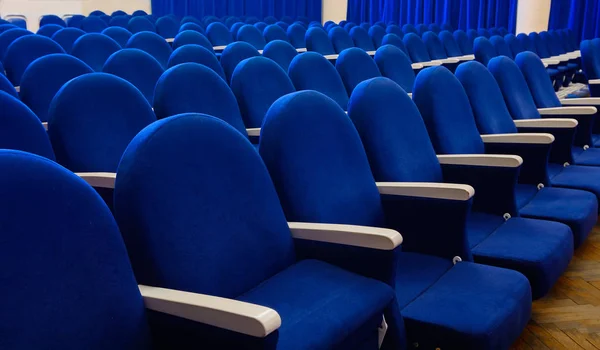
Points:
x=593, y=81
x=585, y=116
x=332, y=57
x=99, y=180
x=358, y=236
x=563, y=131
x=371, y=53
x=234, y=315
x=465, y=57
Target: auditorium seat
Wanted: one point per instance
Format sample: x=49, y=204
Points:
x=355, y=66
x=167, y=27
x=196, y=54
x=336, y=186
x=93, y=24
x=436, y=51
x=418, y=51
x=192, y=26
x=191, y=19
x=340, y=39
x=66, y=37
x=296, y=35
x=394, y=29
x=409, y=28
x=5, y=27
x=395, y=65
x=49, y=29
x=118, y=34
x=94, y=49
x=139, y=24
x=219, y=35
x=465, y=44
x=349, y=25
x=154, y=45
x=377, y=33
x=274, y=32
x=25, y=50
x=394, y=40
x=421, y=29
x=316, y=40
x=138, y=13
x=501, y=47
x=7, y=87
x=52, y=19
x=282, y=52
x=119, y=21
x=260, y=26
x=590, y=64
x=7, y=38
x=484, y=50
x=452, y=48
x=75, y=21
x=434, y=27
x=233, y=54
x=252, y=36
x=482, y=32
x=362, y=40
x=192, y=37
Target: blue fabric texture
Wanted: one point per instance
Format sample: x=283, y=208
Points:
x=7, y=86
x=484, y=50
x=274, y=32
x=167, y=27
x=234, y=54
x=218, y=34
x=296, y=33
x=539, y=84
x=98, y=298
x=49, y=29
x=395, y=40
x=140, y=24
x=93, y=118
x=119, y=21
x=92, y=24
x=464, y=43
x=450, y=44
x=340, y=39
x=362, y=39
x=434, y=46
x=377, y=33
x=316, y=40
x=25, y=50
x=501, y=46
x=118, y=34
x=94, y=49
x=252, y=36
x=282, y=52
x=416, y=48
x=579, y=16
x=192, y=37
x=192, y=26
x=257, y=82
x=52, y=19
x=395, y=65
x=152, y=44
x=66, y=37
x=7, y=37
x=354, y=66
x=196, y=54
x=45, y=76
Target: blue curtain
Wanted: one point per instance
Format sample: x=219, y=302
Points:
x=583, y=16
x=463, y=14
x=220, y=8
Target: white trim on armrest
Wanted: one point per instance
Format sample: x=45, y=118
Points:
x=238, y=316
x=253, y=131
x=571, y=55
x=550, y=61
x=560, y=58
x=579, y=110
x=219, y=48
x=449, y=60
x=371, y=53
x=416, y=66
x=409, y=94
x=260, y=51
x=431, y=63
x=582, y=101
x=100, y=180
x=593, y=81
x=18, y=88
x=547, y=123
x=545, y=64
x=45, y=124
x=494, y=160
x=529, y=138
x=170, y=40
x=449, y=191
x=464, y=57
x=301, y=49
x=353, y=235
x=331, y=57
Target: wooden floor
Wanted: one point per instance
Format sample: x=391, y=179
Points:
x=569, y=316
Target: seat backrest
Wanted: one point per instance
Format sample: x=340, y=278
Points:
x=538, y=80
x=256, y=83
x=394, y=29
x=7, y=86
x=393, y=39
x=317, y=40
x=93, y=24
x=98, y=13
x=449, y=43
x=46, y=206
x=153, y=179
x=526, y=43
x=21, y=129
x=167, y=27
x=194, y=88
x=7, y=38
x=196, y=54
x=514, y=88
x=464, y=43
x=75, y=21
x=154, y=45
x=395, y=65
x=312, y=71
x=490, y=111
x=416, y=48
x=514, y=44
x=354, y=66
x=282, y=52
x=191, y=19
x=409, y=28
x=138, y=68
x=564, y=35
x=5, y=27
x=25, y=50
x=483, y=32
x=472, y=34
x=590, y=51
x=546, y=38
x=377, y=33
x=52, y=19
x=274, y=32
x=119, y=21
x=307, y=130
x=380, y=24
x=362, y=39
x=296, y=33
x=433, y=27
x=434, y=46
x=94, y=49
x=234, y=54
x=45, y=76
x=447, y=26
x=422, y=28
x=340, y=39
x=541, y=49
x=218, y=34
x=140, y=24
x=270, y=20
x=252, y=36
x=118, y=34
x=192, y=37
x=501, y=46
x=193, y=26
x=445, y=108
x=283, y=25
x=92, y=119
x=235, y=28
x=66, y=37
x=260, y=26
x=48, y=30
x=348, y=26
x=484, y=50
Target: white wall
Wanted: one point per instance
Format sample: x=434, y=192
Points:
x=34, y=9
x=334, y=10
x=533, y=15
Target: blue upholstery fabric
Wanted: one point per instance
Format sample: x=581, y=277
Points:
x=93, y=25
x=539, y=83
x=416, y=48
x=152, y=44
x=354, y=66
x=362, y=39
x=257, y=82
x=140, y=24
x=377, y=33
x=218, y=34
x=93, y=118
x=192, y=26
x=260, y=26
x=484, y=50
x=52, y=19
x=514, y=44
x=167, y=27
x=463, y=42
x=450, y=45
x=197, y=54
x=118, y=34
x=192, y=37
x=252, y=36
x=394, y=29
x=25, y=50
x=5, y=27
x=235, y=29
x=234, y=54
x=395, y=40
x=312, y=71
x=282, y=52
x=394, y=64
x=94, y=49
x=7, y=38
x=274, y=32
x=409, y=28
x=434, y=46
x=296, y=33
x=138, y=68
x=66, y=37
x=79, y=261
x=340, y=39
x=119, y=21
x=501, y=46
x=21, y=130
x=49, y=30
x=45, y=76
x=283, y=25
x=7, y=86
x=75, y=21
x=194, y=88
x=118, y=13
x=98, y=13
x=316, y=40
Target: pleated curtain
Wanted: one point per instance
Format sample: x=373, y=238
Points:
x=583, y=16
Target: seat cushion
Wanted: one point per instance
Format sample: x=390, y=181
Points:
x=596, y=140
x=472, y=306
x=321, y=305
x=590, y=157
x=579, y=177
x=524, y=194
x=480, y=226
x=541, y=250
x=575, y=208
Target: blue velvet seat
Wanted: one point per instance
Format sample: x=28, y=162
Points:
x=235, y=28
x=274, y=32
x=52, y=19
x=394, y=29
x=484, y=50
x=118, y=34
x=94, y=49
x=463, y=42
x=234, y=54
x=192, y=26
x=93, y=24
x=282, y=52
x=139, y=24
x=354, y=66
x=307, y=131
x=192, y=37
x=590, y=64
x=49, y=30
x=417, y=50
x=340, y=39
x=395, y=40
x=45, y=76
x=395, y=65
x=7, y=87
x=25, y=50
x=320, y=305
x=218, y=34
x=450, y=44
x=66, y=37
x=501, y=47
x=196, y=54
x=317, y=40
x=154, y=45
x=167, y=27
x=409, y=28
x=119, y=21
x=296, y=33
x=361, y=39
x=252, y=36
x=472, y=34
x=4, y=27
x=377, y=33
x=7, y=38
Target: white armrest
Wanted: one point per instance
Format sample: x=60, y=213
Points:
x=18, y=88
x=238, y=316
x=465, y=57
x=371, y=53
x=353, y=235
x=577, y=52
x=219, y=48
x=409, y=94
x=547, y=123
x=301, y=49
x=100, y=180
x=260, y=52
x=45, y=124
x=579, y=110
x=571, y=55
x=332, y=57
x=545, y=64
x=431, y=63
x=170, y=40
x=455, y=192
x=253, y=131
x=584, y=101
x=449, y=60
x=495, y=160
x=416, y=66
x=560, y=58
x=529, y=138
x=550, y=61
x=593, y=81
